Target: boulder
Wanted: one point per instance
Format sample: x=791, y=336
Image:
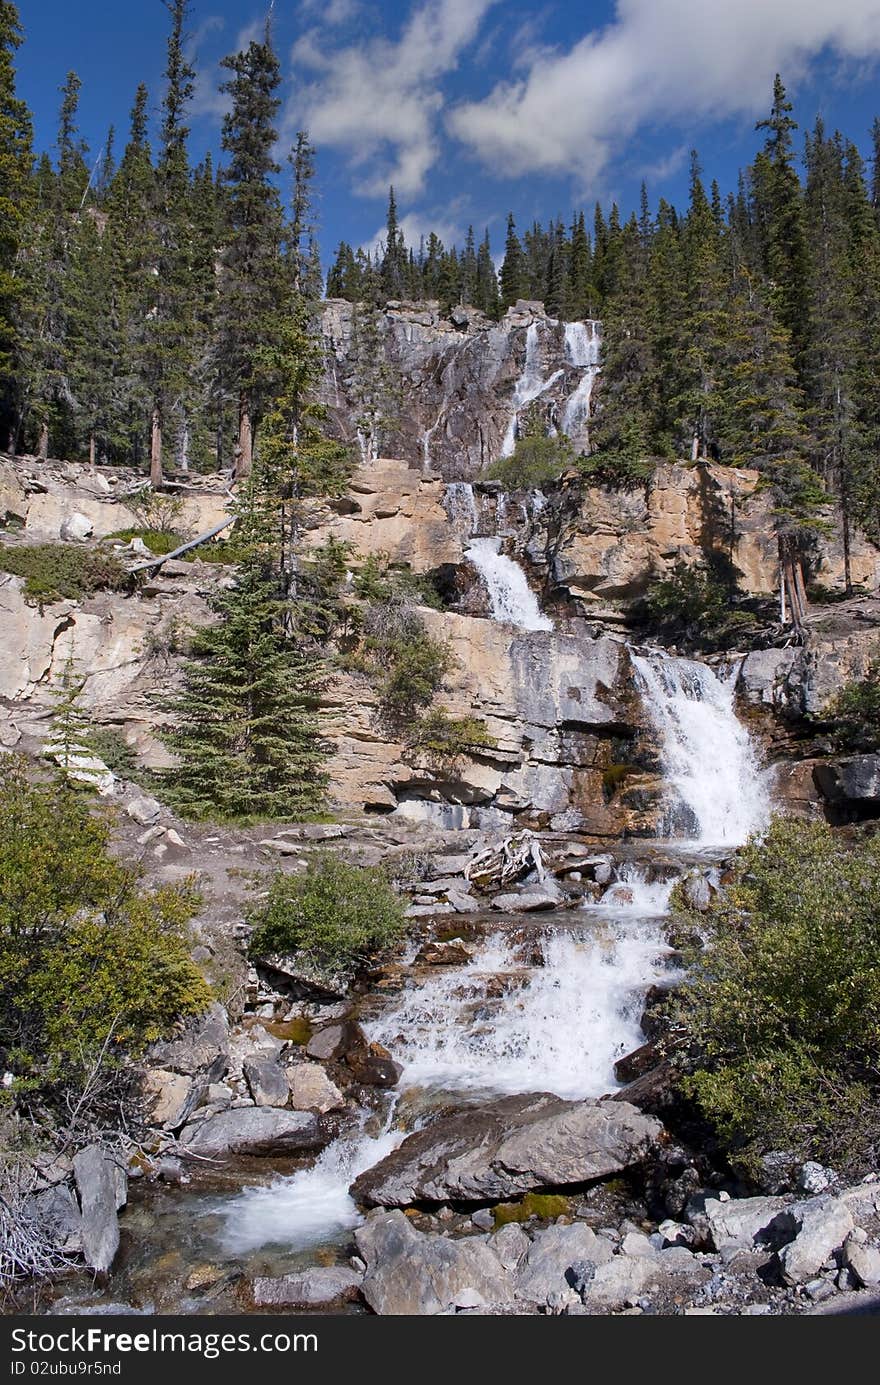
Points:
x=744, y=1223
x=511, y=1245
x=267, y=1080
x=861, y=1259
x=532, y=899
x=413, y=1274
x=171, y=1097
x=326, y=1286
x=202, y=1047
x=853, y=783
x=508, y=1147
x=312, y=1090
x=56, y=1212
x=552, y=1254
x=97, y=1184
x=144, y=810
x=822, y=1225
x=254, y=1130
x=454, y=953
x=329, y=1043
x=75, y=528
x=373, y=1065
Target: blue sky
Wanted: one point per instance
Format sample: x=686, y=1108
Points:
x=476, y=107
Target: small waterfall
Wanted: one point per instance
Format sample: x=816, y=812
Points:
x=460, y=504
x=528, y=387
x=512, y=600
x=633, y=893
x=709, y=761
x=583, y=343
x=309, y=1208
x=501, y=1026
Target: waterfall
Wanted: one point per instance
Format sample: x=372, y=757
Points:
x=499, y=1025
x=460, y=504
x=512, y=600
x=710, y=764
x=583, y=342
x=528, y=387
x=311, y=1207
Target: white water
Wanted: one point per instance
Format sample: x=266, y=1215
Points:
x=512, y=600
x=632, y=893
x=721, y=795
x=460, y=504
x=583, y=343
x=530, y=385
x=559, y=1028
x=309, y=1208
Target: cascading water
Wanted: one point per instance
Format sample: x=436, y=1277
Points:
x=583, y=343
x=460, y=504
x=530, y=385
x=709, y=761
x=511, y=598
x=500, y=1026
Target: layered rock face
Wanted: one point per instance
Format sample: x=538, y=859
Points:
x=452, y=380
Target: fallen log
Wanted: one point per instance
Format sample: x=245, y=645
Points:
x=184, y=547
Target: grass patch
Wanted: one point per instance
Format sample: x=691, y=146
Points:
x=62, y=571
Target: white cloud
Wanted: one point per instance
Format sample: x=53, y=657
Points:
x=664, y=61
x=380, y=100
x=330, y=12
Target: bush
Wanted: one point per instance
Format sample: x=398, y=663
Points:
x=157, y=511
x=780, y=1016
x=617, y=470
x=333, y=917
x=442, y=740
x=536, y=461
x=62, y=571
x=110, y=745
x=693, y=606
x=855, y=712
x=92, y=967
x=418, y=666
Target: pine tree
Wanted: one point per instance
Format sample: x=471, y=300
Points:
x=73, y=173
x=580, y=267
x=513, y=270
x=16, y=206
x=247, y=731
x=302, y=228
x=254, y=275
x=393, y=273
x=778, y=211
x=92, y=343
x=621, y=435
x=487, y=297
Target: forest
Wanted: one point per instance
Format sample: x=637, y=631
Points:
x=145, y=304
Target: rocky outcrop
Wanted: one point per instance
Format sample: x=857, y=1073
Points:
x=851, y=786
x=101, y=1186
x=412, y=1273
x=510, y=1147
x=254, y=1130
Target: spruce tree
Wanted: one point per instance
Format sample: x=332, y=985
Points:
x=778, y=211
x=254, y=284
x=393, y=273
x=513, y=270
x=487, y=297
x=302, y=227
x=16, y=206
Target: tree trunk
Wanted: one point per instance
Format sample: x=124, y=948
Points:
x=91, y=449
x=245, y=440
x=43, y=449
x=156, y=450
x=783, y=613
x=800, y=587
x=695, y=447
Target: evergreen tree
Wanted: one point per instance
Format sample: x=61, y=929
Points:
x=247, y=730
x=487, y=297
x=580, y=265
x=254, y=286
x=514, y=284
x=778, y=211
x=394, y=264
x=16, y=207
x=302, y=229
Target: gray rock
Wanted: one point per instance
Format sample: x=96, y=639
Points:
x=552, y=1253
x=75, y=528
x=171, y=1097
x=511, y=1244
x=853, y=781
x=95, y=1173
x=620, y=1280
x=410, y=1273
x=56, y=1212
x=483, y=1220
x=510, y=1146
x=822, y=1225
x=327, y=1044
x=532, y=899
x=815, y=1178
x=267, y=1081
x=862, y=1260
x=743, y=1223
x=322, y=1287
x=144, y=810
x=202, y=1048
x=312, y=1090
x=254, y=1130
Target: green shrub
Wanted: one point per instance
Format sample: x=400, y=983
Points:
x=62, y=571
x=780, y=1015
x=693, y=606
x=855, y=712
x=159, y=541
x=333, y=917
x=442, y=740
x=156, y=511
x=110, y=745
x=536, y=461
x=418, y=666
x=92, y=966
x=617, y=470
x=378, y=582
